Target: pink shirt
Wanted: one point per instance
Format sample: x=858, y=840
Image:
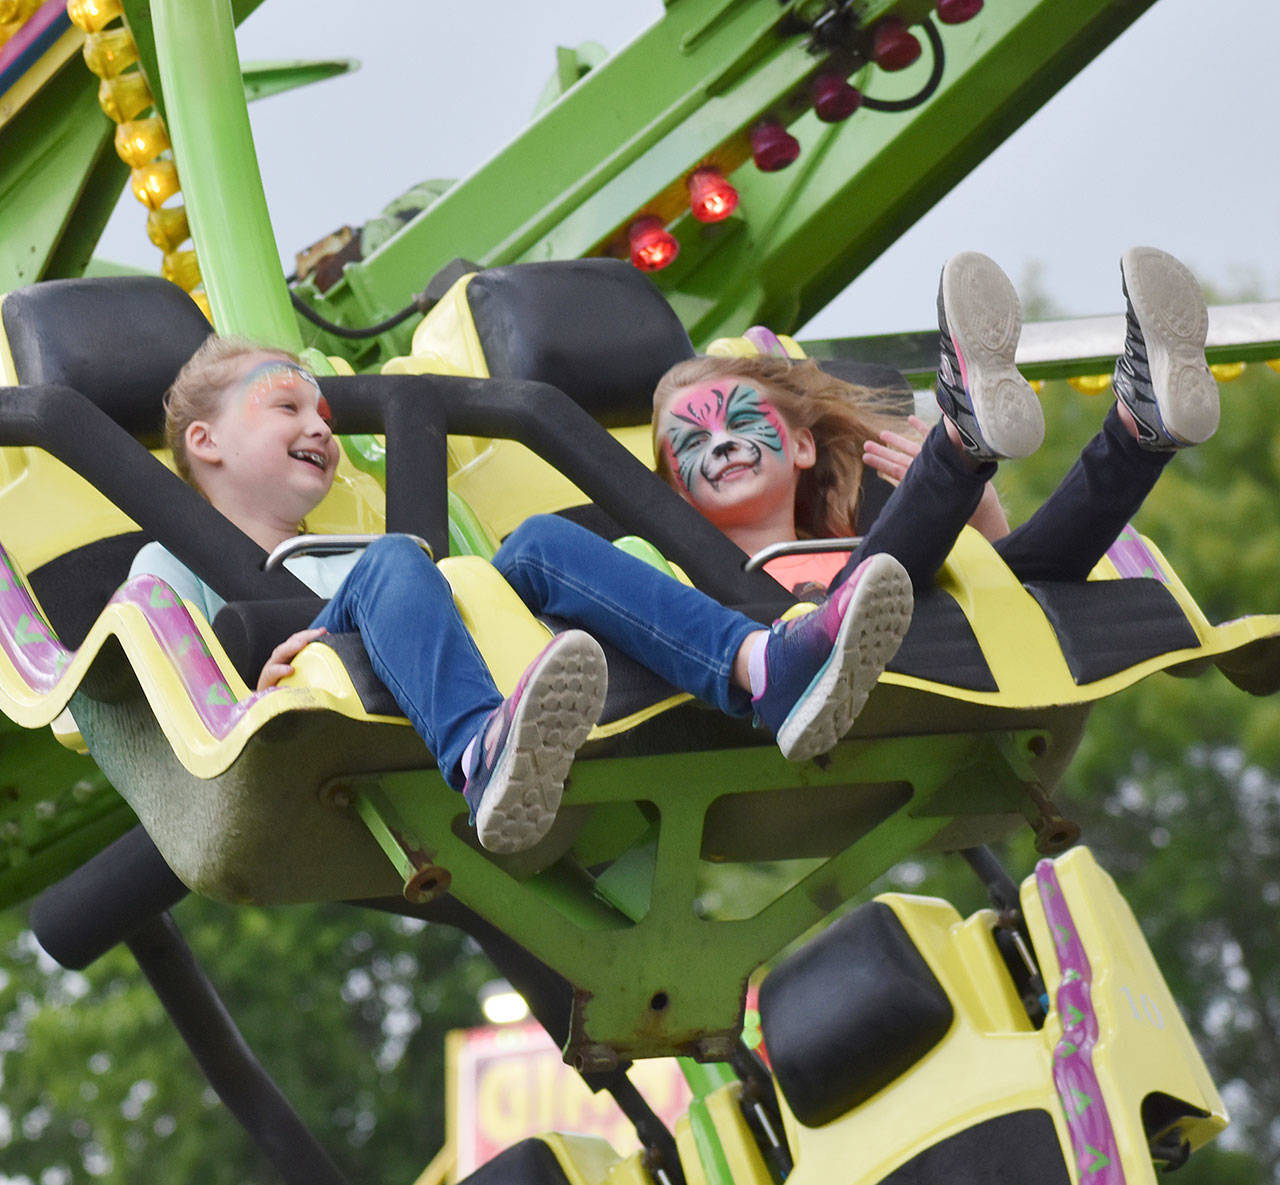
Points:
x=817, y=567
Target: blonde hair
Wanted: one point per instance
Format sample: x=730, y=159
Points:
x=841, y=416
x=196, y=394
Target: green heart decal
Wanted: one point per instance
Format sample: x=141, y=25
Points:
x=219, y=693
x=27, y=631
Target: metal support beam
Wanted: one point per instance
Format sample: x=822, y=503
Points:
x=230, y=1065
x=1062, y=349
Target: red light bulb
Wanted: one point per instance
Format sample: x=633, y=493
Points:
x=893, y=46
x=653, y=247
x=711, y=197
x=834, y=99
x=956, y=12
x=772, y=146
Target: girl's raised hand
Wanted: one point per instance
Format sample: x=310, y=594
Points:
x=892, y=454
x=891, y=457
x=278, y=666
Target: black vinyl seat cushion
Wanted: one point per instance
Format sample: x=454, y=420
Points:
x=1020, y=1148
x=850, y=1012
x=530, y=1162
x=118, y=340
x=1107, y=626
x=596, y=328
x=941, y=646
x=73, y=588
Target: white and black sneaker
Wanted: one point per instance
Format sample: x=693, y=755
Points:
x=993, y=408
x=1162, y=377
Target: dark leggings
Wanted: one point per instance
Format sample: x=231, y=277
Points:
x=1063, y=540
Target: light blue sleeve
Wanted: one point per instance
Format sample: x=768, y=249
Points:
x=323, y=574
x=156, y=560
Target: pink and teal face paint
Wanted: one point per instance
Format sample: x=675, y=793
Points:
x=282, y=377
x=718, y=428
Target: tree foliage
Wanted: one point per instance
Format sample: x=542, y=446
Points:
x=345, y=1008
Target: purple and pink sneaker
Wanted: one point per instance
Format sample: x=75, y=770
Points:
x=993, y=408
x=820, y=668
x=530, y=740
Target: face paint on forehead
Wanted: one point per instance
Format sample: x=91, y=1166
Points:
x=707, y=414
x=269, y=377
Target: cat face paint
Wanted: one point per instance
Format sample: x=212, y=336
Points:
x=720, y=432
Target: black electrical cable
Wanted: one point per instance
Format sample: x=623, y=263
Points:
x=926, y=92
x=342, y=331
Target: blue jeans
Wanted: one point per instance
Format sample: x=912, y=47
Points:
x=402, y=607
x=1063, y=540
x=679, y=633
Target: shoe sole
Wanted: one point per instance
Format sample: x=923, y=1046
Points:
x=985, y=320
x=562, y=700
x=1174, y=321
x=874, y=625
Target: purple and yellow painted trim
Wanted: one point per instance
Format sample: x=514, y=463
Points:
x=766, y=342
x=180, y=639
x=40, y=659
x=1093, y=1139
x=1131, y=556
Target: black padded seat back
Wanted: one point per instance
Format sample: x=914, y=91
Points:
x=72, y=588
x=1107, y=626
x=941, y=646
x=596, y=328
x=530, y=1162
x=849, y=1012
x=118, y=340
x=1020, y=1148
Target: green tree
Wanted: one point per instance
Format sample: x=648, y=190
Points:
x=347, y=1009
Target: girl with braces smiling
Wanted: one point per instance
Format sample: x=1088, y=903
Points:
x=250, y=429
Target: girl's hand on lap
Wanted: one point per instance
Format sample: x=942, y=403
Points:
x=278, y=666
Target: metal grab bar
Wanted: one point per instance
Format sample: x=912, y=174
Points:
x=329, y=545
x=800, y=547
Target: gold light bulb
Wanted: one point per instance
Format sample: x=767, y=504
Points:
x=140, y=141
x=92, y=15
x=111, y=52
x=1090, y=384
x=124, y=97
x=16, y=11
x=168, y=228
x=181, y=268
x=155, y=184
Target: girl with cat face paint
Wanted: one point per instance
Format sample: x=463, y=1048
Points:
x=771, y=449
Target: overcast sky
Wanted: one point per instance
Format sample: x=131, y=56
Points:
x=1167, y=138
